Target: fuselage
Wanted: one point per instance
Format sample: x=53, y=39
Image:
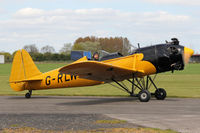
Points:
x=55, y=79
x=150, y=60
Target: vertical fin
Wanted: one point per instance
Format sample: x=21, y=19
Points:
x=17, y=71
x=23, y=67
x=30, y=68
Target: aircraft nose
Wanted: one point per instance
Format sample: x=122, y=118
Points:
x=187, y=54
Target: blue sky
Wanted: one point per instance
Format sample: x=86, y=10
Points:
x=55, y=22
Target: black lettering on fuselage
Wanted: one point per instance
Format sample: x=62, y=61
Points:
x=60, y=75
x=48, y=81
x=73, y=77
x=66, y=78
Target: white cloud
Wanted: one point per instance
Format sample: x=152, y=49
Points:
x=29, y=12
x=55, y=27
x=176, y=2
x=92, y=16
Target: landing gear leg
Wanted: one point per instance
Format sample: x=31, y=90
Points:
x=160, y=93
x=143, y=84
x=28, y=94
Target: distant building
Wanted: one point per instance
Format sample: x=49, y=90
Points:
x=2, y=59
x=195, y=58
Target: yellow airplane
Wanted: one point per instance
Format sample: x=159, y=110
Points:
x=135, y=68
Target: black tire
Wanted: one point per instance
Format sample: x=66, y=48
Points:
x=144, y=96
x=27, y=95
x=160, y=94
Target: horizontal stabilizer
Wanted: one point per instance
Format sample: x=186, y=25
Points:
x=26, y=80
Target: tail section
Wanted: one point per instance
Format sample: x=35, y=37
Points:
x=23, y=68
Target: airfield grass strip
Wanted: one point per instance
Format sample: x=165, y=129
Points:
x=109, y=130
x=110, y=121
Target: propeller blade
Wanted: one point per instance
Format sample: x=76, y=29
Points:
x=187, y=54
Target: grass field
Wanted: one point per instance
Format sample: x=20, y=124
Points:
x=180, y=84
x=112, y=130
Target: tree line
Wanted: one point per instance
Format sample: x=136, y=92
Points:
x=47, y=53
x=89, y=43
x=112, y=44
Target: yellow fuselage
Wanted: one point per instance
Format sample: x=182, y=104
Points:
x=54, y=79
x=26, y=76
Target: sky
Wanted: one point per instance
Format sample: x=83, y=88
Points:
x=55, y=22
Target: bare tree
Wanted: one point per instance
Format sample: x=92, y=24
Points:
x=31, y=48
x=67, y=47
x=47, y=49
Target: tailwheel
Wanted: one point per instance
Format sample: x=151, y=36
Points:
x=28, y=94
x=160, y=94
x=144, y=96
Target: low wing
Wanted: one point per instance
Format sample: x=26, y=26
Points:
x=100, y=71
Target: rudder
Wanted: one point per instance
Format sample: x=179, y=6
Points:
x=23, y=68
x=30, y=69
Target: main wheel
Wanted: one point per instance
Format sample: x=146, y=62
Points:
x=160, y=94
x=28, y=95
x=144, y=96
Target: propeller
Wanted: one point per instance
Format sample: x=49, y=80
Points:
x=187, y=54
x=186, y=57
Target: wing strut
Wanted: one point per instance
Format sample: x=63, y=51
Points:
x=124, y=87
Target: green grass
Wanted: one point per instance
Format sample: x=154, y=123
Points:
x=180, y=84
x=110, y=121
x=102, y=130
